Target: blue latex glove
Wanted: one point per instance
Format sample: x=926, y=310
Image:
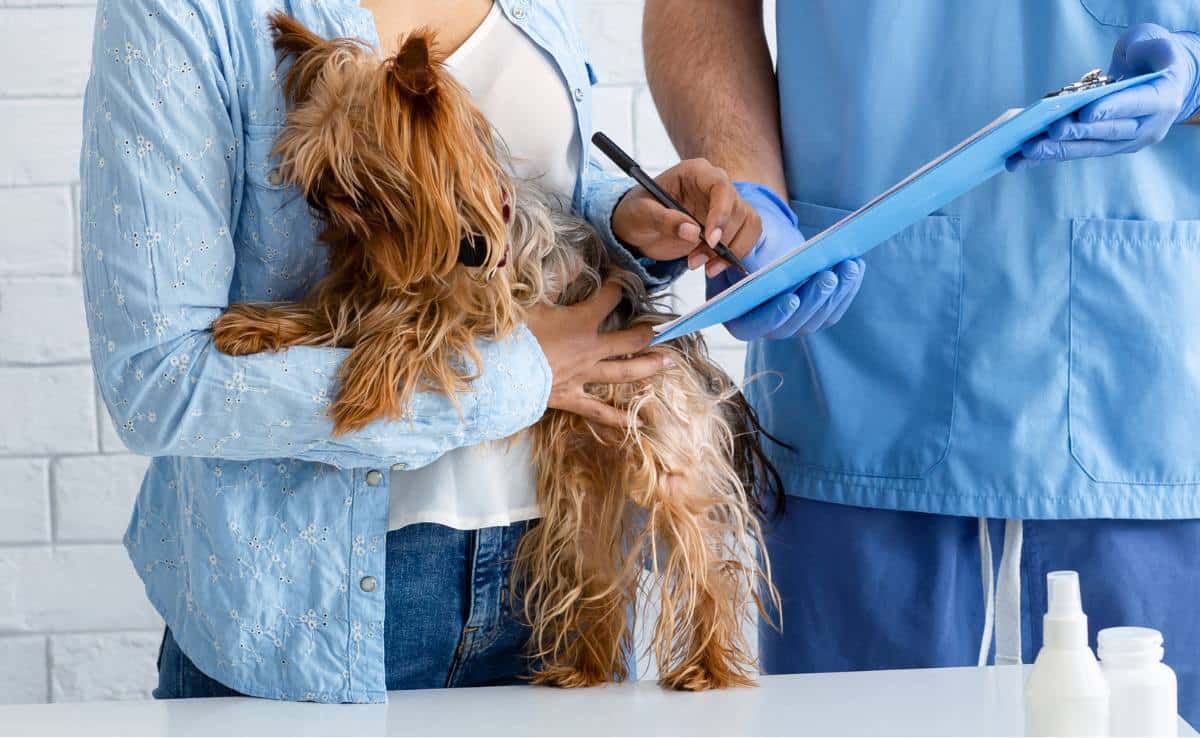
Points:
x=1134, y=118
x=818, y=303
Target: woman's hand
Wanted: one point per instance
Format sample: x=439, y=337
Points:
x=663, y=234
x=579, y=354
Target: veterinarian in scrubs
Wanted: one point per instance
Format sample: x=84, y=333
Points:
x=1016, y=387
x=286, y=562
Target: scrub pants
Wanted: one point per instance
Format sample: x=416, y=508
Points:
x=882, y=589
x=448, y=621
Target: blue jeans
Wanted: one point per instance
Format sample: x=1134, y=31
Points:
x=448, y=620
x=868, y=588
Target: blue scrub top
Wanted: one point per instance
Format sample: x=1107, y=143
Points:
x=1032, y=349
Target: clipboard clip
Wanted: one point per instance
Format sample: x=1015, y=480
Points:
x=1094, y=78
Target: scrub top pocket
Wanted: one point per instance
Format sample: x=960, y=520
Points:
x=1135, y=350
x=874, y=395
x=1175, y=15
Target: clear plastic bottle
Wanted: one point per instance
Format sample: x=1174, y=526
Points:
x=1143, y=692
x=1066, y=693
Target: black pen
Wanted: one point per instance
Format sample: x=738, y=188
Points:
x=630, y=167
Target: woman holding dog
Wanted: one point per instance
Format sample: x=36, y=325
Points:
x=289, y=563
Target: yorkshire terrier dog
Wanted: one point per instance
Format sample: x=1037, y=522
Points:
x=431, y=246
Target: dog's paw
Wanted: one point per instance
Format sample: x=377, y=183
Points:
x=569, y=677
x=699, y=678
x=239, y=333
x=348, y=418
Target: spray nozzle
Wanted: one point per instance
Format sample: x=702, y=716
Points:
x=1065, y=625
x=1063, y=594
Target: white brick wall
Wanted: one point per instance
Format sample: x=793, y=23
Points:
x=74, y=624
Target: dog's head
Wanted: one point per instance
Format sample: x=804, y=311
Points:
x=393, y=156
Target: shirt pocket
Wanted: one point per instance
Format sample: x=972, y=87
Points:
x=278, y=256
x=1134, y=385
x=1175, y=15
x=875, y=393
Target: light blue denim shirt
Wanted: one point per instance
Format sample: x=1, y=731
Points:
x=255, y=526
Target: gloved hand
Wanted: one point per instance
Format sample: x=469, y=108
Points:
x=1133, y=118
x=818, y=303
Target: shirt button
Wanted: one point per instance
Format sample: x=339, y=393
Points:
x=399, y=467
x=374, y=478
x=579, y=94
x=519, y=12
x=367, y=584
x=274, y=178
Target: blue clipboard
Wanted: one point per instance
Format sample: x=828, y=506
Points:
x=960, y=169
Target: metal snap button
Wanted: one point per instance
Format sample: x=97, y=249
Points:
x=374, y=478
x=579, y=94
x=274, y=178
x=367, y=584
x=519, y=12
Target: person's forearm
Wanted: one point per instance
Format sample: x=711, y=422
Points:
x=710, y=73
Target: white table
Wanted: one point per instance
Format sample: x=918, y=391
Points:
x=965, y=702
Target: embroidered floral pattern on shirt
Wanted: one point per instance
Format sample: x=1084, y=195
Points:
x=254, y=525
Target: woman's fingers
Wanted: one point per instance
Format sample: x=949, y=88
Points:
x=597, y=411
x=671, y=232
x=706, y=191
x=741, y=235
x=663, y=234
x=598, y=307
x=722, y=196
x=625, y=342
x=624, y=371
x=749, y=231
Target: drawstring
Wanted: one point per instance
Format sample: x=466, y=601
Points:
x=1008, y=596
x=989, y=591
x=1002, y=598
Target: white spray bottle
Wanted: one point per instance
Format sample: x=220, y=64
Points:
x=1066, y=694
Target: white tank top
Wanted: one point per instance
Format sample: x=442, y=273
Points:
x=518, y=87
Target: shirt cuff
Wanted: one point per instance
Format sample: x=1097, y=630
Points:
x=602, y=200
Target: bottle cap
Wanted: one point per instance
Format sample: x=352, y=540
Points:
x=1130, y=644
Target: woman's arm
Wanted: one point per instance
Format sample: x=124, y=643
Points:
x=161, y=182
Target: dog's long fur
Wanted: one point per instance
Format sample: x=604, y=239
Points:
x=675, y=495
x=400, y=165
x=395, y=294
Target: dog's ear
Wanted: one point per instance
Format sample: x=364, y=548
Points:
x=292, y=38
x=308, y=53
x=413, y=69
